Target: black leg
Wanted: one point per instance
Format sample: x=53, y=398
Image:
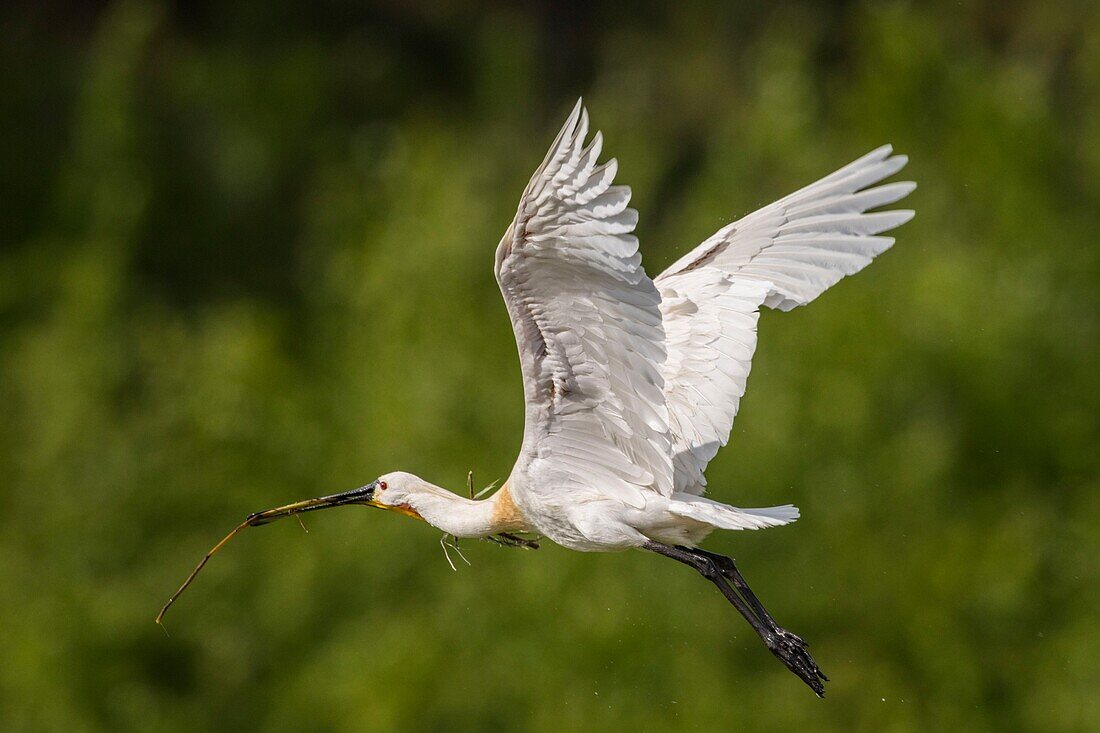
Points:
x=721, y=570
x=730, y=572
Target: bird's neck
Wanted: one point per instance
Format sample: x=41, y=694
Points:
x=456, y=515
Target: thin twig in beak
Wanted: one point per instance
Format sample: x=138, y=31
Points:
x=205, y=559
x=361, y=495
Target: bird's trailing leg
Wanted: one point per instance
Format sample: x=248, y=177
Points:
x=722, y=571
x=728, y=568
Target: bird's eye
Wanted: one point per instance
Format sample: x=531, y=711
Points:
x=382, y=485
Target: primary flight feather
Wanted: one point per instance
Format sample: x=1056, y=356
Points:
x=631, y=384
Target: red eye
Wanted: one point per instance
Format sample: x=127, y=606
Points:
x=382, y=485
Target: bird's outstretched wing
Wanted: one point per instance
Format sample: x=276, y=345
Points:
x=588, y=327
x=781, y=256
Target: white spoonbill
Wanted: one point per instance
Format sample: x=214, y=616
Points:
x=631, y=385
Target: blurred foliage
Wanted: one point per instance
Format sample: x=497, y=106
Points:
x=246, y=259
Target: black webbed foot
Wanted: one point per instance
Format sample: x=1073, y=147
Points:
x=791, y=650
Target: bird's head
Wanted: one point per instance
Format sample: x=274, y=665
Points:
x=399, y=492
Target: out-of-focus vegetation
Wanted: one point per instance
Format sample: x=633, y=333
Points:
x=246, y=259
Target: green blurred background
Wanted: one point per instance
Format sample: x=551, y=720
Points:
x=247, y=258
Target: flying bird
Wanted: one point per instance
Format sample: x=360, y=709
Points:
x=631, y=384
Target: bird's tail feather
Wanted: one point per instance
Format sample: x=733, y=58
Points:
x=724, y=516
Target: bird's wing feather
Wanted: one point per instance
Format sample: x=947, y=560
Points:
x=588, y=327
x=782, y=256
